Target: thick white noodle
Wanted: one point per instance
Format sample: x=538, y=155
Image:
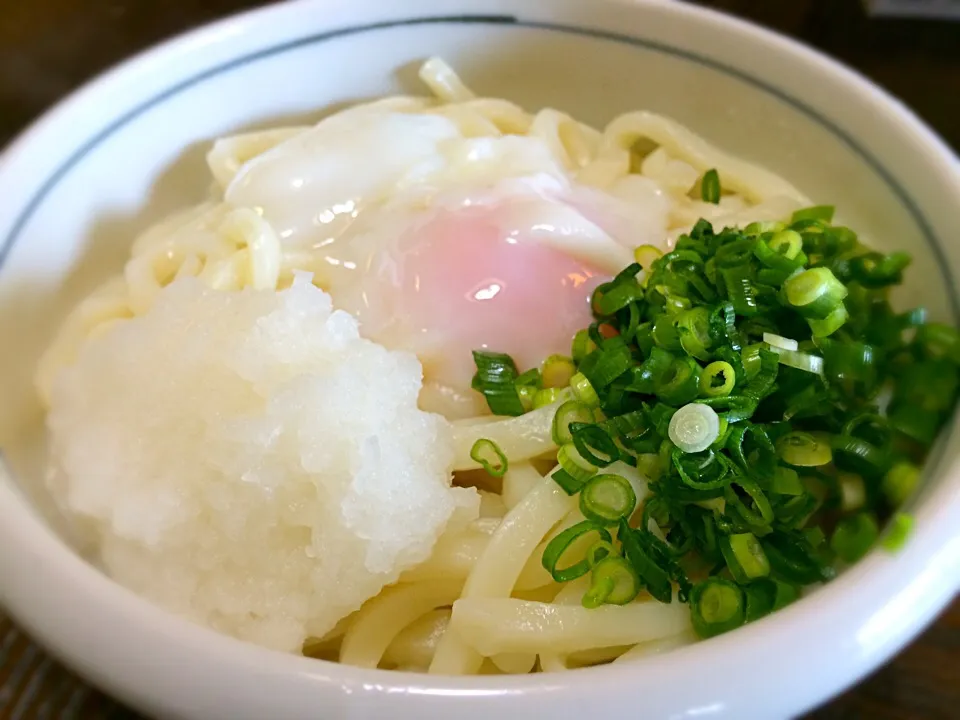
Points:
x=498, y=568
x=519, y=480
x=381, y=619
x=753, y=182
x=507, y=625
x=520, y=438
x=414, y=647
x=658, y=647
x=444, y=82
x=229, y=154
x=455, y=554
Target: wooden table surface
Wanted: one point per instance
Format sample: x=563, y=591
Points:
x=49, y=47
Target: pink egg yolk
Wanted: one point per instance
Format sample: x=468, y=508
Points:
x=462, y=281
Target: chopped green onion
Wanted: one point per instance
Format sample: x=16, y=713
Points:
x=745, y=557
x=854, y=536
x=665, y=333
x=815, y=293
x=614, y=582
x=740, y=289
x=574, y=464
x=873, y=270
x=607, y=363
x=830, y=324
x=899, y=529
x=582, y=345
x=817, y=212
x=900, y=482
x=646, y=255
x=693, y=328
x=490, y=456
x=569, y=484
x=766, y=226
x=680, y=382
x=495, y=378
x=800, y=361
x=786, y=481
x=853, y=493
x=528, y=396
x=571, y=411
x=617, y=294
x=858, y=455
x=650, y=557
x=594, y=444
x=600, y=550
x=785, y=594
x=778, y=341
x=804, y=450
x=531, y=378
x=607, y=498
x=547, y=396
x=717, y=379
x=583, y=390
x=716, y=606
x=694, y=427
x=557, y=547
x=557, y=371
x=750, y=357
x=788, y=243
x=760, y=596
x=710, y=187
x=939, y=341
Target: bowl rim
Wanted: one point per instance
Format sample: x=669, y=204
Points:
x=911, y=580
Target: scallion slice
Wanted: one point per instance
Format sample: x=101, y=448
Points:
x=572, y=411
x=490, y=456
x=710, y=187
x=495, y=379
x=546, y=396
x=574, y=464
x=830, y=324
x=613, y=582
x=804, y=450
x=780, y=342
x=583, y=390
x=646, y=255
x=815, y=293
x=607, y=498
x=853, y=493
x=817, y=212
x=854, y=536
x=900, y=482
x=694, y=427
x=900, y=527
x=680, y=383
x=718, y=379
x=557, y=371
x=745, y=557
x=716, y=606
x=556, y=548
x=800, y=361
x=582, y=345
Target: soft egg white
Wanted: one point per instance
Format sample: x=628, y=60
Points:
x=441, y=243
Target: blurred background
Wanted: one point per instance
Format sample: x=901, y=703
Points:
x=49, y=47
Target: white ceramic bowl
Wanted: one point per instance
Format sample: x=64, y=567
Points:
x=129, y=147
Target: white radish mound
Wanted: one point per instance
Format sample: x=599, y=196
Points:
x=245, y=460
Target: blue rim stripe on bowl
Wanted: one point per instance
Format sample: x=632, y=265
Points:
x=53, y=180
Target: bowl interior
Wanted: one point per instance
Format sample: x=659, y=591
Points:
x=131, y=149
